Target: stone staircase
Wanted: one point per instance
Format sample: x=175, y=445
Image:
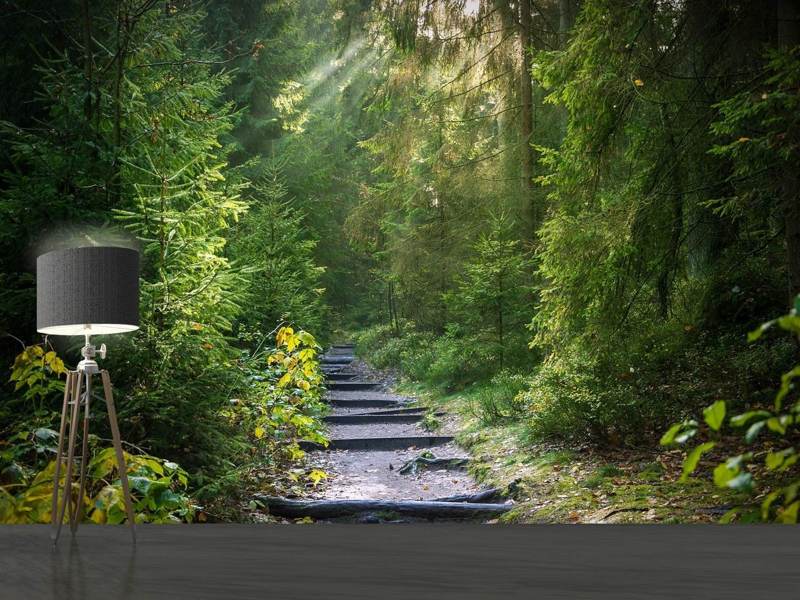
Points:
x=374, y=434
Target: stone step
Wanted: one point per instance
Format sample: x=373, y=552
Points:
x=368, y=418
x=381, y=416
x=393, y=411
x=337, y=360
x=353, y=386
x=362, y=402
x=386, y=443
x=339, y=376
x=343, y=346
x=364, y=395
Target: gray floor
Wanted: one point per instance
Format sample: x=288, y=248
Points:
x=439, y=562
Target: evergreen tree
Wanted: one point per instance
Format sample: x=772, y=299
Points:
x=493, y=296
x=274, y=246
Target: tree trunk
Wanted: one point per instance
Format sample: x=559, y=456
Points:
x=791, y=211
x=88, y=61
x=670, y=259
x=123, y=34
x=788, y=37
x=565, y=18
x=526, y=113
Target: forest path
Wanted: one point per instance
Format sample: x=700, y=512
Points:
x=373, y=434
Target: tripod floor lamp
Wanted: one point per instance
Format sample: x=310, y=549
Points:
x=85, y=291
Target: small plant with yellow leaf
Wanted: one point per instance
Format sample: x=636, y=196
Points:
x=38, y=373
x=284, y=404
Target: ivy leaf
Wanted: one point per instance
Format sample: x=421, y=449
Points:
x=714, y=415
x=780, y=460
x=774, y=460
x=693, y=458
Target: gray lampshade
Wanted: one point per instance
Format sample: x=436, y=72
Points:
x=92, y=290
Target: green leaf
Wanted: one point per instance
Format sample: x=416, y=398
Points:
x=789, y=514
x=693, y=458
x=754, y=335
x=723, y=474
x=742, y=482
x=742, y=419
x=685, y=436
x=679, y=433
x=669, y=437
x=775, y=460
x=753, y=431
x=767, y=503
x=778, y=424
x=714, y=415
x=730, y=515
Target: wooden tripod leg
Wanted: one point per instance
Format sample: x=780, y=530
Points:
x=60, y=453
x=67, y=499
x=77, y=515
x=123, y=467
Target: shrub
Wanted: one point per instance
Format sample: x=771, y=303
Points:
x=459, y=361
x=158, y=491
x=500, y=400
x=158, y=487
x=779, y=496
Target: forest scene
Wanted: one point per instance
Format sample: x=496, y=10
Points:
x=505, y=261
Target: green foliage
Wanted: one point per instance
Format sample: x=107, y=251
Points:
x=449, y=362
x=499, y=401
x=158, y=490
x=278, y=252
x=280, y=405
x=779, y=480
x=492, y=297
x=342, y=165
x=756, y=126
x=37, y=372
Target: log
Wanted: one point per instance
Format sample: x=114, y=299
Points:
x=333, y=509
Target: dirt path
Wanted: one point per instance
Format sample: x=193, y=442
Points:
x=374, y=433
x=375, y=473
